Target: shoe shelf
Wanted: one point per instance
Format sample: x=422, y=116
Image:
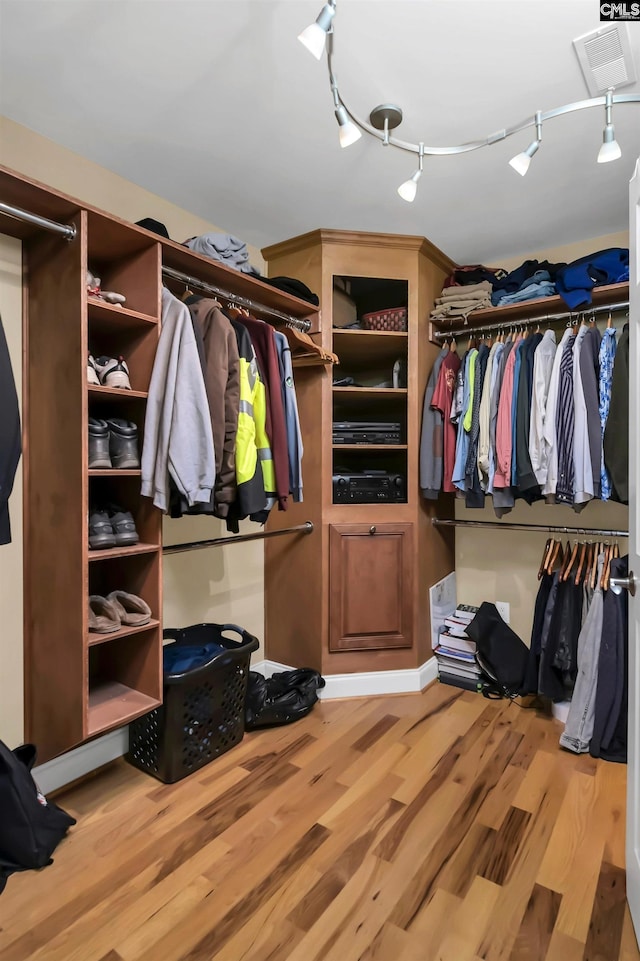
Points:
x=112, y=704
x=109, y=553
x=372, y=393
x=111, y=318
x=367, y=349
x=94, y=638
x=112, y=472
x=115, y=393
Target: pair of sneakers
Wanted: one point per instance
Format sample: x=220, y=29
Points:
x=108, y=372
x=111, y=526
x=113, y=443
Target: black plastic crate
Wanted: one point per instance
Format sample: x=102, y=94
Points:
x=202, y=714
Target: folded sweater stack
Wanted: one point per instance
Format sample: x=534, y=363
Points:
x=461, y=301
x=225, y=248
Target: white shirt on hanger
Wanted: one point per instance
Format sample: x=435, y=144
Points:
x=582, y=470
x=543, y=358
x=549, y=435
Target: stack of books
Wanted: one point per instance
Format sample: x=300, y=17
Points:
x=456, y=652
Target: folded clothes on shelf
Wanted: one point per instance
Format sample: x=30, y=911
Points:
x=227, y=249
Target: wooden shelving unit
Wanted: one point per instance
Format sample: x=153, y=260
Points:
x=115, y=393
x=111, y=553
x=362, y=604
x=113, y=472
x=110, y=315
x=111, y=704
x=93, y=639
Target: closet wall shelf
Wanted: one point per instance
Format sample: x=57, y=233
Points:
x=537, y=528
x=389, y=447
x=608, y=295
x=112, y=316
x=112, y=552
x=310, y=360
x=112, y=472
x=112, y=704
x=371, y=392
x=115, y=393
x=94, y=639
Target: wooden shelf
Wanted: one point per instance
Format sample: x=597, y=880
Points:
x=310, y=360
x=113, y=472
x=368, y=349
x=115, y=393
x=93, y=639
x=531, y=309
x=112, y=704
x=109, y=316
x=110, y=552
x=388, y=447
x=371, y=392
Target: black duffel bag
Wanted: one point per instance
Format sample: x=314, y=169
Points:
x=283, y=698
x=501, y=654
x=30, y=826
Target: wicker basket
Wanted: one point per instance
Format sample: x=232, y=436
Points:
x=394, y=318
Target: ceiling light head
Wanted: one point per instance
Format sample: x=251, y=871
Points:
x=409, y=188
x=314, y=36
x=521, y=161
x=348, y=132
x=610, y=149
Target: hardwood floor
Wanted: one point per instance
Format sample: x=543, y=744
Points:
x=428, y=827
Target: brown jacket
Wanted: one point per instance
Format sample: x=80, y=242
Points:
x=222, y=382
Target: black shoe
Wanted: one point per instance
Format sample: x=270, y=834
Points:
x=123, y=525
x=123, y=444
x=99, y=443
x=101, y=533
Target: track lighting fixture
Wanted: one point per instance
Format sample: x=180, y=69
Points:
x=521, y=161
x=314, y=36
x=386, y=117
x=409, y=188
x=610, y=149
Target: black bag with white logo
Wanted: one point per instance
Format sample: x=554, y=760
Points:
x=501, y=654
x=30, y=826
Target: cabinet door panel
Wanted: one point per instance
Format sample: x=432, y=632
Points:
x=371, y=586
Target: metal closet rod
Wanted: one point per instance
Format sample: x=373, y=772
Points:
x=540, y=528
x=306, y=528
x=297, y=322
x=542, y=319
x=68, y=231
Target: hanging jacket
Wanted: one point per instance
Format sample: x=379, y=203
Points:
x=222, y=382
x=178, y=439
x=262, y=339
x=10, y=439
x=255, y=476
x=289, y=399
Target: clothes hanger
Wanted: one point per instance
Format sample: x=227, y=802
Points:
x=557, y=557
x=604, y=580
x=572, y=559
x=583, y=556
x=594, y=565
x=609, y=322
x=548, y=547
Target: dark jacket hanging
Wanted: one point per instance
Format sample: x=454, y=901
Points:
x=616, y=434
x=10, y=439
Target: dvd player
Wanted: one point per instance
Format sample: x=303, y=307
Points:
x=366, y=432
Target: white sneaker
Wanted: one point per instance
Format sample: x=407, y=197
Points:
x=113, y=373
x=92, y=372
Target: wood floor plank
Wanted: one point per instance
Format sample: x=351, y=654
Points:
x=534, y=936
x=607, y=918
x=424, y=827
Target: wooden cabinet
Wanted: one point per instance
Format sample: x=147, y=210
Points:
x=371, y=586
x=345, y=600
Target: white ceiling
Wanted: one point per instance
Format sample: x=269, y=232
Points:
x=217, y=107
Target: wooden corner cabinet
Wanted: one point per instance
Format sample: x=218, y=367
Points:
x=355, y=596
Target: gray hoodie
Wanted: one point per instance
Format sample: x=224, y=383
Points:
x=178, y=439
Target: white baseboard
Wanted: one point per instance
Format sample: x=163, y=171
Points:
x=366, y=683
x=62, y=770
x=54, y=774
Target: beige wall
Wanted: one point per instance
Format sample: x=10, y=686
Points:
x=503, y=565
x=220, y=584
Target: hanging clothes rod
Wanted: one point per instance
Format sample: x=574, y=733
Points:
x=572, y=315
x=306, y=528
x=68, y=231
x=297, y=322
x=540, y=528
